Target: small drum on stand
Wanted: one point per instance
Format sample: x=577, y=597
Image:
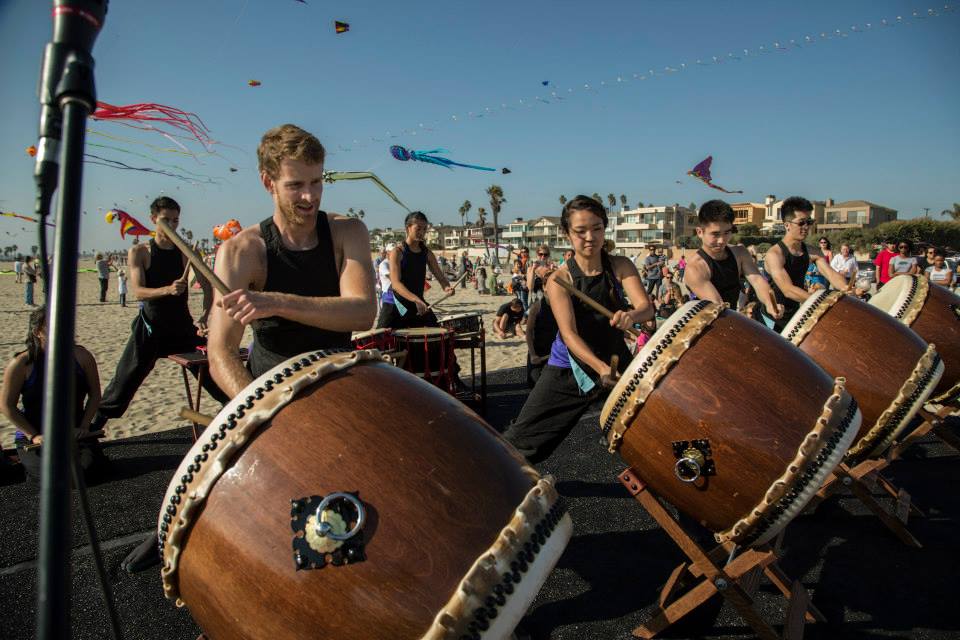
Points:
x=463, y=323
x=429, y=354
x=381, y=339
x=889, y=369
x=933, y=312
x=728, y=422
x=308, y=511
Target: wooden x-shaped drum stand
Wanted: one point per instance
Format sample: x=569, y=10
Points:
x=737, y=580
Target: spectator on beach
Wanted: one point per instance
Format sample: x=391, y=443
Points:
x=509, y=318
x=653, y=265
x=926, y=260
x=825, y=248
x=567, y=255
x=534, y=280
x=669, y=296
x=903, y=263
x=681, y=267
x=18, y=269
x=383, y=274
x=813, y=280
x=882, y=262
x=483, y=286
x=122, y=286
x=844, y=263
x=520, y=276
x=30, y=271
x=647, y=329
x=940, y=272
x=22, y=396
x=103, y=274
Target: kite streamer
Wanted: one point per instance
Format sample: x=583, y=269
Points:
x=146, y=157
x=702, y=172
x=139, y=115
x=558, y=95
x=333, y=176
x=116, y=164
x=403, y=154
x=10, y=214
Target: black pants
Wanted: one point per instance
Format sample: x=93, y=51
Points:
x=103, y=289
x=140, y=355
x=652, y=285
x=551, y=411
x=390, y=318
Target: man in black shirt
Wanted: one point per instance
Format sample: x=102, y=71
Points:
x=509, y=317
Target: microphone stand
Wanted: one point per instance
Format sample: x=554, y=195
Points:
x=68, y=95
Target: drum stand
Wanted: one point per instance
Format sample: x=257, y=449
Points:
x=933, y=422
x=737, y=580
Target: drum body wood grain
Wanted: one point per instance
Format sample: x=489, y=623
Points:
x=889, y=369
x=933, y=312
x=775, y=423
x=449, y=507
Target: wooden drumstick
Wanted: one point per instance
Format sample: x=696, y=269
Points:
x=186, y=270
x=195, y=260
x=193, y=416
x=454, y=285
x=593, y=304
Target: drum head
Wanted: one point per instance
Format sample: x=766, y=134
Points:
x=900, y=295
x=803, y=313
x=460, y=316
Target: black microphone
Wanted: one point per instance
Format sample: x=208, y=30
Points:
x=76, y=24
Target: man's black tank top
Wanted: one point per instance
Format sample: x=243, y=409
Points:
x=796, y=267
x=312, y=273
x=168, y=315
x=593, y=327
x=413, y=273
x=725, y=276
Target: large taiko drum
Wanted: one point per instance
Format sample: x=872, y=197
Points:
x=889, y=369
x=379, y=339
x=729, y=422
x=307, y=511
x=429, y=353
x=933, y=312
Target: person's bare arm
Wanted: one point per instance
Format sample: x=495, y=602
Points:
x=697, y=279
x=914, y=268
x=750, y=271
x=352, y=310
x=138, y=262
x=629, y=278
x=774, y=263
x=92, y=375
x=823, y=265
x=438, y=272
x=241, y=264
x=13, y=378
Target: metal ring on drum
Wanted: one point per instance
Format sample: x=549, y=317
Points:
x=856, y=340
x=735, y=450
x=325, y=529
x=933, y=312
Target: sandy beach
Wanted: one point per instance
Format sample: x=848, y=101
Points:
x=103, y=328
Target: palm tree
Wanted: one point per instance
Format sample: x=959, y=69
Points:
x=496, y=199
x=612, y=199
x=464, y=210
x=596, y=196
x=361, y=214
x=33, y=250
x=350, y=213
x=623, y=200
x=640, y=204
x=953, y=213
x=481, y=217
x=188, y=234
x=693, y=206
x=563, y=199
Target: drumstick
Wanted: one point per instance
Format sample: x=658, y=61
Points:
x=596, y=306
x=454, y=285
x=194, y=416
x=93, y=435
x=186, y=270
x=195, y=260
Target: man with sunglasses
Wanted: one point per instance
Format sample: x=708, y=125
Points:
x=787, y=262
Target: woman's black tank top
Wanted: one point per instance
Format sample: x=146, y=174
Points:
x=593, y=327
x=413, y=273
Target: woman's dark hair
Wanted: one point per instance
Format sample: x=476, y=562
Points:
x=716, y=211
x=908, y=243
x=38, y=318
x=827, y=240
x=581, y=203
x=414, y=217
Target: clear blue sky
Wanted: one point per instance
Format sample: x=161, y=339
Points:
x=872, y=115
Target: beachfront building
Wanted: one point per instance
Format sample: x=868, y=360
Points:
x=854, y=214
x=515, y=233
x=749, y=213
x=773, y=217
x=663, y=226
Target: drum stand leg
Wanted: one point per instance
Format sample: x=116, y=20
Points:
x=933, y=422
x=736, y=580
x=861, y=479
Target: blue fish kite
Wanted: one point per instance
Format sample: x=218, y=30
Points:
x=404, y=154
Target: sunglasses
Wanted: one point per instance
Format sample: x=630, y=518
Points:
x=543, y=255
x=802, y=223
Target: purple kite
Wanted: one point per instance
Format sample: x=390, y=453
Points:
x=702, y=172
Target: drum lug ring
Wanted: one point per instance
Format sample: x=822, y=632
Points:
x=316, y=540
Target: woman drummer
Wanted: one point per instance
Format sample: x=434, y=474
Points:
x=402, y=305
x=578, y=371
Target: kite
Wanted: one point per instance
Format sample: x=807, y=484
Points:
x=702, y=172
x=10, y=214
x=332, y=176
x=233, y=169
x=340, y=27
x=403, y=154
x=32, y=151
x=545, y=82
x=139, y=116
x=505, y=171
x=227, y=230
x=128, y=224
x=254, y=83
